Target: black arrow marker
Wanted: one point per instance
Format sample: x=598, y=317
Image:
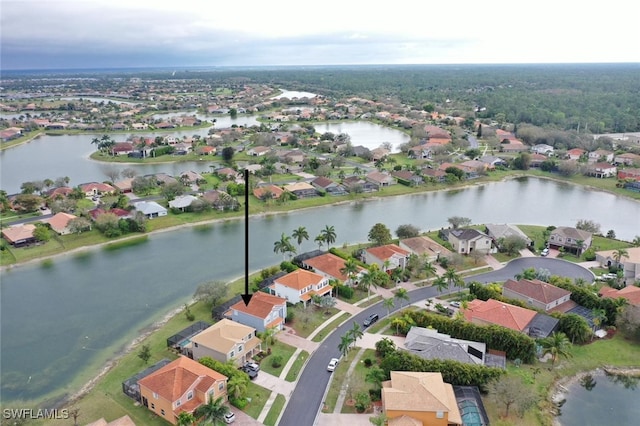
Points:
x=246, y=296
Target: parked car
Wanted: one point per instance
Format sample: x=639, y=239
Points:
x=332, y=364
x=251, y=368
x=370, y=320
x=544, y=252
x=230, y=417
x=455, y=304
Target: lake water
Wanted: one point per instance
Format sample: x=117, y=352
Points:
x=369, y=135
x=606, y=400
x=61, y=320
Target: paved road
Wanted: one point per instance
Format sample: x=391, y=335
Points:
x=306, y=400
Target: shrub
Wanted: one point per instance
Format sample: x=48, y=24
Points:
x=345, y=291
x=239, y=403
x=288, y=266
x=290, y=315
x=363, y=401
x=368, y=362
x=375, y=394
x=276, y=361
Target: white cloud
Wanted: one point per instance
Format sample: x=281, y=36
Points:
x=263, y=32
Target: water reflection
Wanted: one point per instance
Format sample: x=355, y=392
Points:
x=588, y=382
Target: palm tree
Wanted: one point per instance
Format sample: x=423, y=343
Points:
x=389, y=304
x=300, y=234
x=320, y=241
x=367, y=280
x=429, y=269
x=376, y=376
x=345, y=344
x=213, y=411
x=402, y=294
x=453, y=278
x=557, y=345
x=329, y=235
x=267, y=336
x=636, y=241
x=441, y=284
x=284, y=245
x=599, y=316
x=619, y=254
x=355, y=333
x=237, y=386
x=350, y=269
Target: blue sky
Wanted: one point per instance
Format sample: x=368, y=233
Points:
x=44, y=34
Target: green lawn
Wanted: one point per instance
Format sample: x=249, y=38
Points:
x=370, y=302
x=258, y=397
x=326, y=330
x=274, y=411
x=294, y=371
x=307, y=320
x=357, y=380
x=277, y=349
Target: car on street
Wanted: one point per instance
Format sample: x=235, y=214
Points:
x=544, y=252
x=332, y=364
x=455, y=304
x=370, y=320
x=230, y=417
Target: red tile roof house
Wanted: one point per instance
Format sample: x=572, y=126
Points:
x=263, y=311
x=633, y=174
x=19, y=235
x=299, y=285
x=498, y=313
x=397, y=257
x=262, y=191
x=122, y=148
x=539, y=294
x=602, y=170
x=96, y=188
x=329, y=265
x=60, y=222
x=575, y=153
x=181, y=386
x=630, y=293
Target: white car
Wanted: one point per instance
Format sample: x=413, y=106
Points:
x=544, y=252
x=229, y=417
x=332, y=364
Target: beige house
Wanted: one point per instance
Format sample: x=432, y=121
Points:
x=630, y=263
x=466, y=240
x=226, y=340
x=571, y=239
x=419, y=398
x=60, y=222
x=424, y=246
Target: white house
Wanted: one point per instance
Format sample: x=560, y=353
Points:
x=300, y=285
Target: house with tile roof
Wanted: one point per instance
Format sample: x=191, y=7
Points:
x=630, y=264
x=60, y=222
x=601, y=155
x=181, y=386
x=263, y=191
x=494, y=312
x=466, y=240
x=602, y=170
x=329, y=265
x=96, y=188
x=575, y=153
x=539, y=294
x=424, y=246
x=19, y=235
x=419, y=398
x=628, y=159
x=629, y=173
x=225, y=341
x=388, y=257
x=300, y=285
x=301, y=189
x=380, y=179
x=571, y=239
x=263, y=311
x=427, y=343
x=497, y=232
x=630, y=293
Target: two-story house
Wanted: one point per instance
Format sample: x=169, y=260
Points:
x=387, y=257
x=226, y=340
x=466, y=240
x=263, y=311
x=181, y=386
x=571, y=239
x=300, y=285
x=539, y=294
x=329, y=265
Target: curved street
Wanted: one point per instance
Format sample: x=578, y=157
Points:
x=307, y=399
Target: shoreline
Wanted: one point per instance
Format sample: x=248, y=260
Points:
x=271, y=213
x=559, y=389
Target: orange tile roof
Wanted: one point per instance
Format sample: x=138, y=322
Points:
x=499, y=313
x=276, y=191
x=300, y=279
x=60, y=221
x=387, y=251
x=330, y=264
x=18, y=232
x=174, y=379
x=261, y=305
x=630, y=293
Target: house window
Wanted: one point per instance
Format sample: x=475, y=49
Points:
x=239, y=348
x=221, y=386
x=249, y=336
x=155, y=395
x=153, y=406
x=195, y=344
x=177, y=403
x=231, y=354
x=189, y=396
x=162, y=412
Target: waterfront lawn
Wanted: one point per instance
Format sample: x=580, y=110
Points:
x=280, y=349
x=296, y=367
x=274, y=411
x=306, y=320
